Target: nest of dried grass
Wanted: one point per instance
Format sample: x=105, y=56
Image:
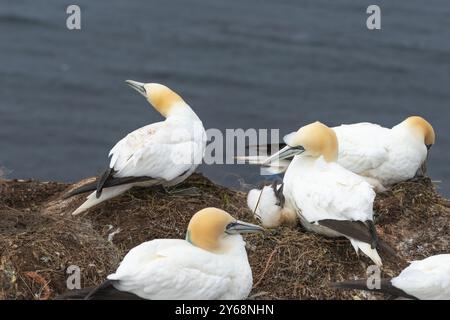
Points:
x=39, y=238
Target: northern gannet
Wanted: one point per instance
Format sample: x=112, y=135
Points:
x=328, y=198
x=163, y=153
x=381, y=155
x=210, y=264
x=427, y=279
x=267, y=204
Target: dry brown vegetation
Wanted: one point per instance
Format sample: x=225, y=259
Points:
x=39, y=238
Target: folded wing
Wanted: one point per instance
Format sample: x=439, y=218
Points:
x=171, y=269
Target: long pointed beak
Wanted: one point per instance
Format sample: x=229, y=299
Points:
x=284, y=153
x=239, y=227
x=138, y=86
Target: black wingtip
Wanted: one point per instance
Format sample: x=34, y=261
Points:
x=373, y=234
x=104, y=178
x=387, y=250
x=74, y=294
x=110, y=182
x=351, y=284
x=83, y=189
x=385, y=286
x=105, y=291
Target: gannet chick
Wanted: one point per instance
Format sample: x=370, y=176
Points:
x=381, y=155
x=427, y=279
x=328, y=198
x=267, y=204
x=163, y=153
x=210, y=264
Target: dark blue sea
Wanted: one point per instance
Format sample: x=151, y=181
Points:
x=239, y=64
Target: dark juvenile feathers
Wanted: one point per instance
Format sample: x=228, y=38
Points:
x=385, y=287
x=105, y=291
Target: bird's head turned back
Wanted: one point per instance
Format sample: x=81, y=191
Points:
x=422, y=128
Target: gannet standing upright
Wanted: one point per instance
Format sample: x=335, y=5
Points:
x=381, y=155
x=211, y=264
x=163, y=153
x=328, y=198
x=427, y=279
x=267, y=205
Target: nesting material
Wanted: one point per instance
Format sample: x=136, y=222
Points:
x=39, y=238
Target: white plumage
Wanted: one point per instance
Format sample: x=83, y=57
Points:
x=267, y=207
x=163, y=150
x=318, y=188
x=210, y=264
x=385, y=156
x=325, y=189
x=362, y=146
x=176, y=269
x=381, y=155
x=427, y=279
x=166, y=152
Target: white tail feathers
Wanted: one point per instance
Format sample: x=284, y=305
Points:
x=107, y=193
x=368, y=251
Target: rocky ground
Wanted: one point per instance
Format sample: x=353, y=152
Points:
x=39, y=238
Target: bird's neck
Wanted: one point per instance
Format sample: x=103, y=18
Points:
x=305, y=161
x=233, y=245
x=404, y=133
x=182, y=111
x=306, y=165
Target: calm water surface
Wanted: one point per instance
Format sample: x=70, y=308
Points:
x=240, y=64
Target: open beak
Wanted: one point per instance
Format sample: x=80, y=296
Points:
x=138, y=86
x=286, y=152
x=239, y=227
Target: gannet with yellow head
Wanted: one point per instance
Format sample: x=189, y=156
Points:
x=328, y=198
x=163, y=153
x=381, y=155
x=386, y=156
x=211, y=264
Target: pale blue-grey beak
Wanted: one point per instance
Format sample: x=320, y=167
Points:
x=138, y=86
x=286, y=152
x=239, y=227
